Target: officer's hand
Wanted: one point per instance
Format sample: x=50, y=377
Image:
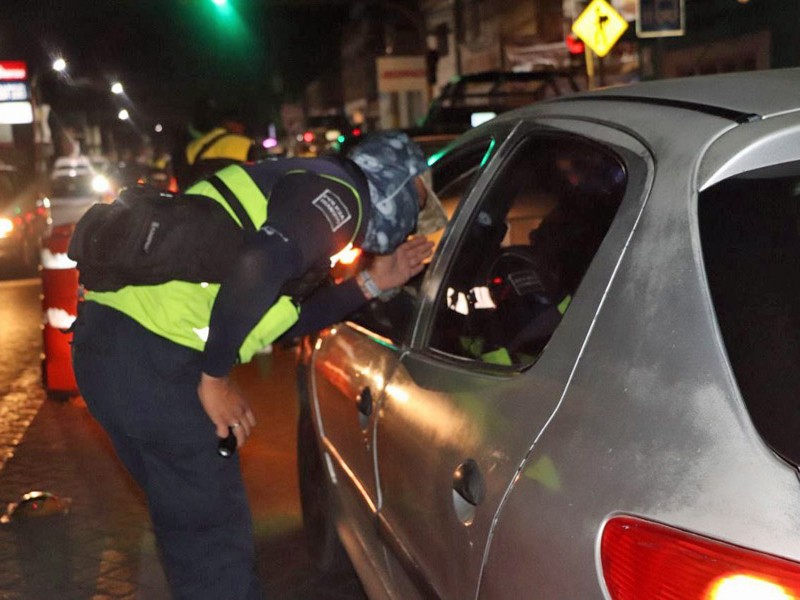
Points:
x=226, y=407
x=393, y=270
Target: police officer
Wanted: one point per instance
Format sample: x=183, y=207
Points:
x=224, y=144
x=153, y=362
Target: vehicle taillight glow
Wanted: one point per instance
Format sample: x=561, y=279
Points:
x=642, y=559
x=100, y=184
x=346, y=256
x=308, y=137
x=6, y=227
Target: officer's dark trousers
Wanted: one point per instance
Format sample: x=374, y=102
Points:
x=143, y=391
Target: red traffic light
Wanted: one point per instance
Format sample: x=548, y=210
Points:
x=574, y=44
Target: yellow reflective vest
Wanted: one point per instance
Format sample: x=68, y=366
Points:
x=180, y=311
x=227, y=145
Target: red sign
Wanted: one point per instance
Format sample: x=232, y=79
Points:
x=13, y=70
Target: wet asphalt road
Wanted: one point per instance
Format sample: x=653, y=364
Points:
x=43, y=443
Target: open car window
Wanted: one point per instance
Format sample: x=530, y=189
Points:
x=526, y=249
x=392, y=315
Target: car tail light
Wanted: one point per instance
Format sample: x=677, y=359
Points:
x=641, y=559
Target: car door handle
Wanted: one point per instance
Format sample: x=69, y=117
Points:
x=364, y=402
x=468, y=482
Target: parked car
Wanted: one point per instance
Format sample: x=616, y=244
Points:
x=470, y=100
x=322, y=133
x=24, y=220
x=592, y=391
x=73, y=191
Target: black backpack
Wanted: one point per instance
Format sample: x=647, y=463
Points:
x=146, y=237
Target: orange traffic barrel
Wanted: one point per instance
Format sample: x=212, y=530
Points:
x=59, y=311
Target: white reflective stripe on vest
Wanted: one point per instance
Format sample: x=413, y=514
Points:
x=58, y=318
x=57, y=260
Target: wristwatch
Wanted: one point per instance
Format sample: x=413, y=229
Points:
x=368, y=285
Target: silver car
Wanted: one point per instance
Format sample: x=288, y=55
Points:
x=594, y=389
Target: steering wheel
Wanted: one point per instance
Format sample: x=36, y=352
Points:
x=525, y=300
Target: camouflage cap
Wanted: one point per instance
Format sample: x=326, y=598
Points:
x=390, y=161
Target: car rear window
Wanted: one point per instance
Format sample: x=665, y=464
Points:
x=80, y=185
x=750, y=235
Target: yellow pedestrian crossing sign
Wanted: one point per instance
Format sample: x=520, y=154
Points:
x=599, y=26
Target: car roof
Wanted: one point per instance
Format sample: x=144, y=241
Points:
x=756, y=93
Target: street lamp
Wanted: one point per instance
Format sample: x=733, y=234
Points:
x=123, y=115
x=59, y=65
x=116, y=88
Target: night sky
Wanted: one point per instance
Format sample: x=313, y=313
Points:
x=248, y=56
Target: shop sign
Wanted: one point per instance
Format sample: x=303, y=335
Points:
x=13, y=91
x=13, y=70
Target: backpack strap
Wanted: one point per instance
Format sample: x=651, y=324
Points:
x=234, y=203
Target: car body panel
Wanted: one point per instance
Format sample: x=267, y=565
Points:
x=460, y=415
x=345, y=368
x=655, y=351
x=632, y=407
x=763, y=93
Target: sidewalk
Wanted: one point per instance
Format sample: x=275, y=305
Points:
x=104, y=548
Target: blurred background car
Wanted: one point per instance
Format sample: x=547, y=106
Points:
x=470, y=100
x=473, y=99
x=74, y=186
x=322, y=134
x=24, y=221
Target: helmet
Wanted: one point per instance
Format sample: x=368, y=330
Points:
x=390, y=161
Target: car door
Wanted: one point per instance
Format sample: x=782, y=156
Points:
x=352, y=362
x=508, y=305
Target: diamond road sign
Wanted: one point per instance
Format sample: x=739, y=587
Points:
x=599, y=26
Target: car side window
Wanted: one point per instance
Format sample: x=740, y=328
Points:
x=526, y=249
x=750, y=236
x=391, y=316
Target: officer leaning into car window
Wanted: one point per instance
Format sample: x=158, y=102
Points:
x=153, y=362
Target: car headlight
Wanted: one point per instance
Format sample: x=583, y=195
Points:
x=100, y=184
x=6, y=227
